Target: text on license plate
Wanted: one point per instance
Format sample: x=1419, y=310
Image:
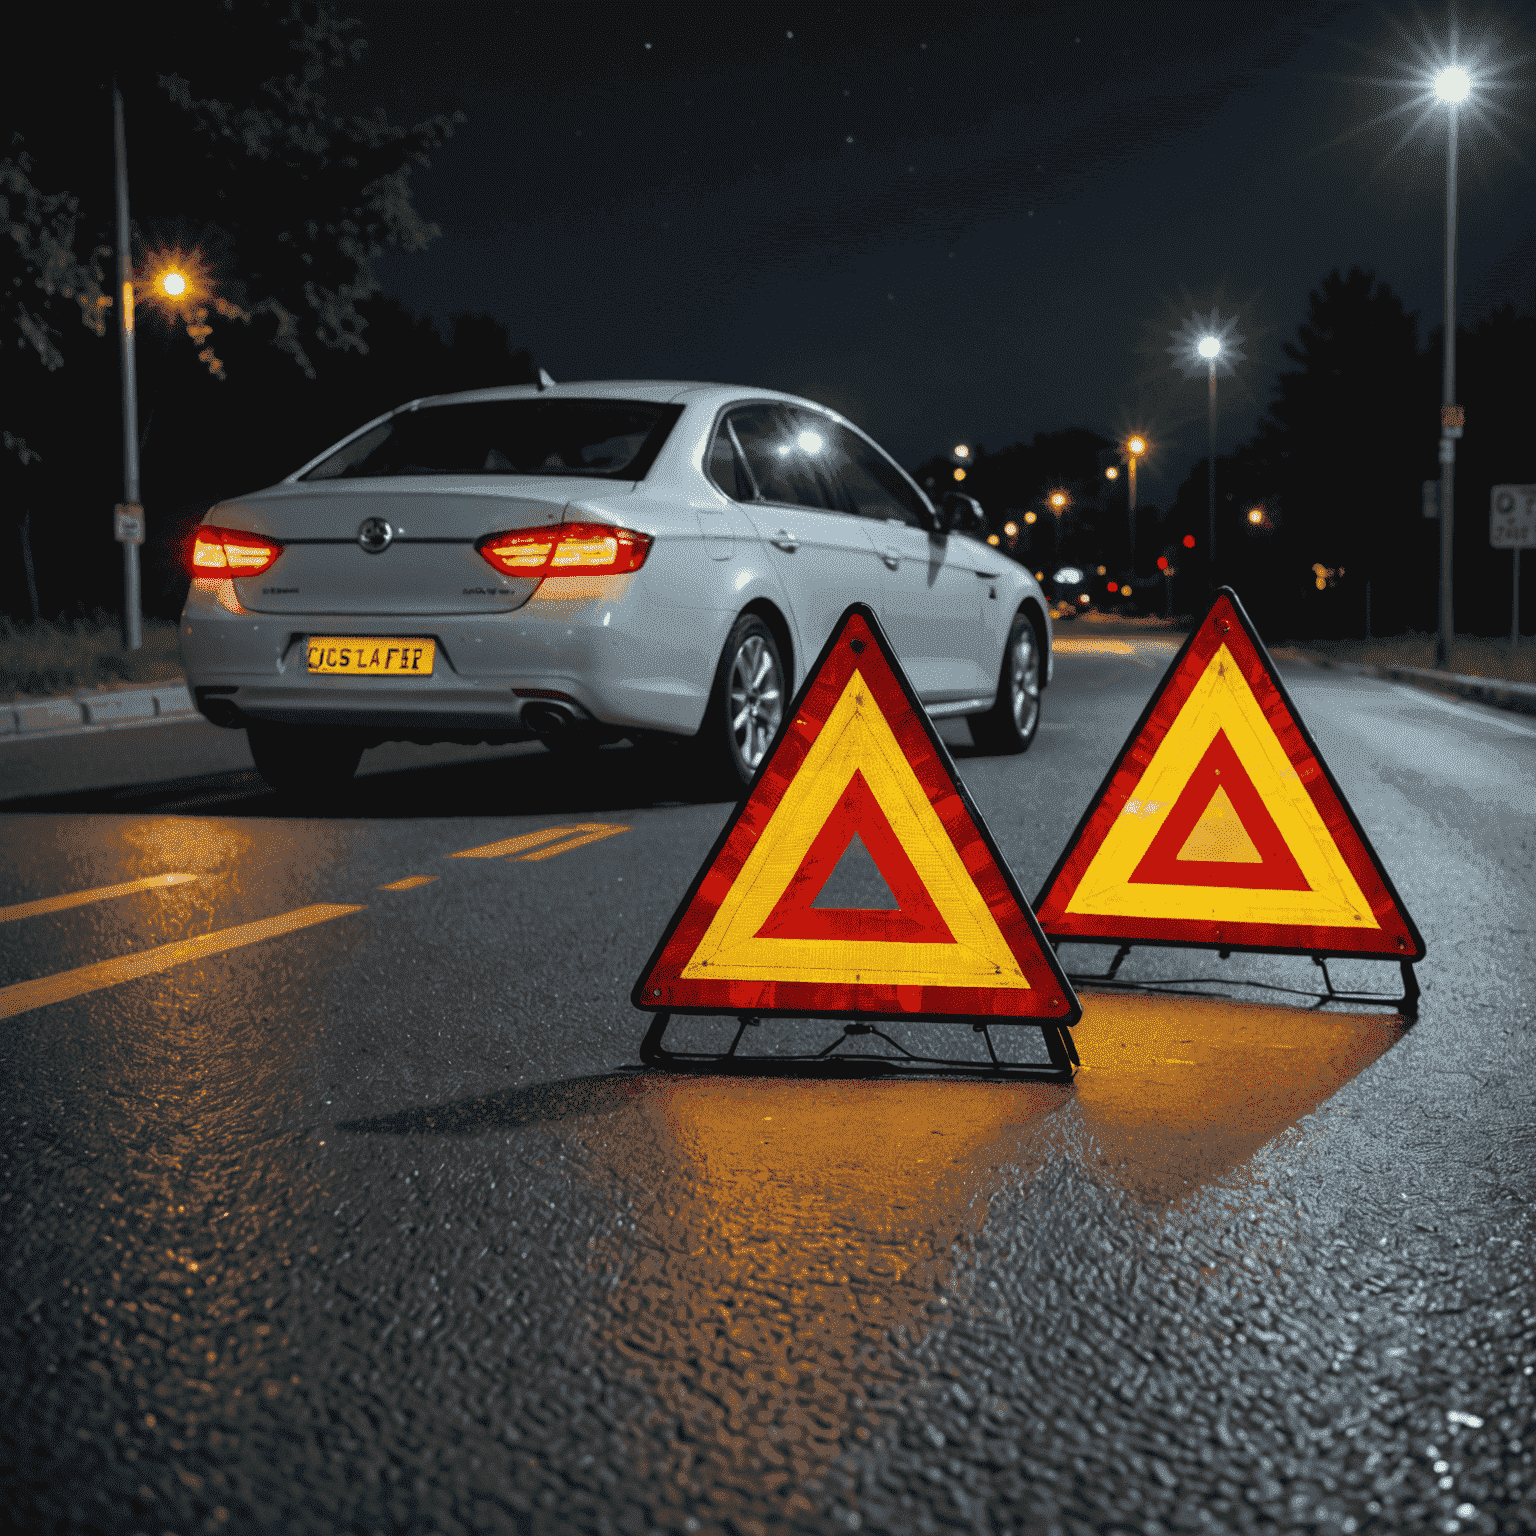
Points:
x=371, y=655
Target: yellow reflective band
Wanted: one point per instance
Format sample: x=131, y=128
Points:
x=1222, y=701
x=856, y=736
x=26, y=995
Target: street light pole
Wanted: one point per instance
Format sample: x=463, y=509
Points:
x=133, y=638
x=1447, y=635
x=1134, y=448
x=1210, y=568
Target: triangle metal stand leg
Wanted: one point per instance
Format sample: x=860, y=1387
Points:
x=1063, y=1058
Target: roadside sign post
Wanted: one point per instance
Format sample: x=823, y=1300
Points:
x=1512, y=526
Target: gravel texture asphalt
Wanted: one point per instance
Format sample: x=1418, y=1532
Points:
x=374, y=1227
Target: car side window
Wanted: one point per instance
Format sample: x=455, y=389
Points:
x=785, y=450
x=874, y=486
x=726, y=468
x=870, y=484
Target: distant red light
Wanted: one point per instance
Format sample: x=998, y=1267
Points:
x=1189, y=541
x=1114, y=586
x=1162, y=562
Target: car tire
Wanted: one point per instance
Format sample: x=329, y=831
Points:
x=1011, y=724
x=746, y=706
x=305, y=764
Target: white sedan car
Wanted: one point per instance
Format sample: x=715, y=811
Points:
x=589, y=562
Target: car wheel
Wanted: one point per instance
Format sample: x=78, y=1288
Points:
x=746, y=705
x=303, y=763
x=1010, y=725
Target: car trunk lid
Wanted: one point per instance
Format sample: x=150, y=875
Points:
x=370, y=547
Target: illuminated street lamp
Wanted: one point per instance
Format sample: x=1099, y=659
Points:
x=172, y=284
x=1058, y=501
x=1211, y=344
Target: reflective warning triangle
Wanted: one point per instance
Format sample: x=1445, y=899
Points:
x=858, y=757
x=1221, y=826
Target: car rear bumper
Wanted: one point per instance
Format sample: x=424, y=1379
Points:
x=618, y=663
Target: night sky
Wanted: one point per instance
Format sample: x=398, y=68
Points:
x=950, y=222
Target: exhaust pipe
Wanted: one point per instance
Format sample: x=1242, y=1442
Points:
x=547, y=719
x=218, y=710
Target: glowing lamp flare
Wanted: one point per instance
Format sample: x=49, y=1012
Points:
x=1137, y=445
x=1453, y=84
x=173, y=284
x=1058, y=500
x=1111, y=473
x=959, y=474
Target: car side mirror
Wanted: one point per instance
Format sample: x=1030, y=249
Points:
x=959, y=513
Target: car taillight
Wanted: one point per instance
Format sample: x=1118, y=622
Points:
x=225, y=552
x=566, y=549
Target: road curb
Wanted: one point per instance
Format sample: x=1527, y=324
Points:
x=1519, y=697
x=132, y=704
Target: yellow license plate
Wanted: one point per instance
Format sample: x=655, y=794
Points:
x=370, y=656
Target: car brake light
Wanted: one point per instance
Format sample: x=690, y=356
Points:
x=566, y=549
x=226, y=552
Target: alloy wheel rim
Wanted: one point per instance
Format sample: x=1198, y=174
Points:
x=757, y=700
x=1025, y=681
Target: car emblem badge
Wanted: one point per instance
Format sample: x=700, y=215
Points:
x=374, y=534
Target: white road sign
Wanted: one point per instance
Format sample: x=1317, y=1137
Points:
x=1512, y=517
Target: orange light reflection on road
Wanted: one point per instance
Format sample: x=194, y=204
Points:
x=1180, y=1090
x=806, y=1244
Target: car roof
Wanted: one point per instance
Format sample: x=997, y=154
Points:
x=660, y=390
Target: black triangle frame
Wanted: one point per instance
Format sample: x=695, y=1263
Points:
x=1056, y=1032
x=1407, y=1004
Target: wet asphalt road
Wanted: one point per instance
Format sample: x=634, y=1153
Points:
x=367, y=1226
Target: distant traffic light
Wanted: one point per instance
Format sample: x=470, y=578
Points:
x=1189, y=541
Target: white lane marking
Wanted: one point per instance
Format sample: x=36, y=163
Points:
x=81, y=898
x=26, y=995
x=1423, y=696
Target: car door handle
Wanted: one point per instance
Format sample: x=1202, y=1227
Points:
x=892, y=558
x=987, y=575
x=785, y=540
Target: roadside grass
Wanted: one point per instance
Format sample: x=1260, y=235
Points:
x=59, y=657
x=1473, y=656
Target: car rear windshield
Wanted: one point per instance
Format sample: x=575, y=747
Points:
x=595, y=439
